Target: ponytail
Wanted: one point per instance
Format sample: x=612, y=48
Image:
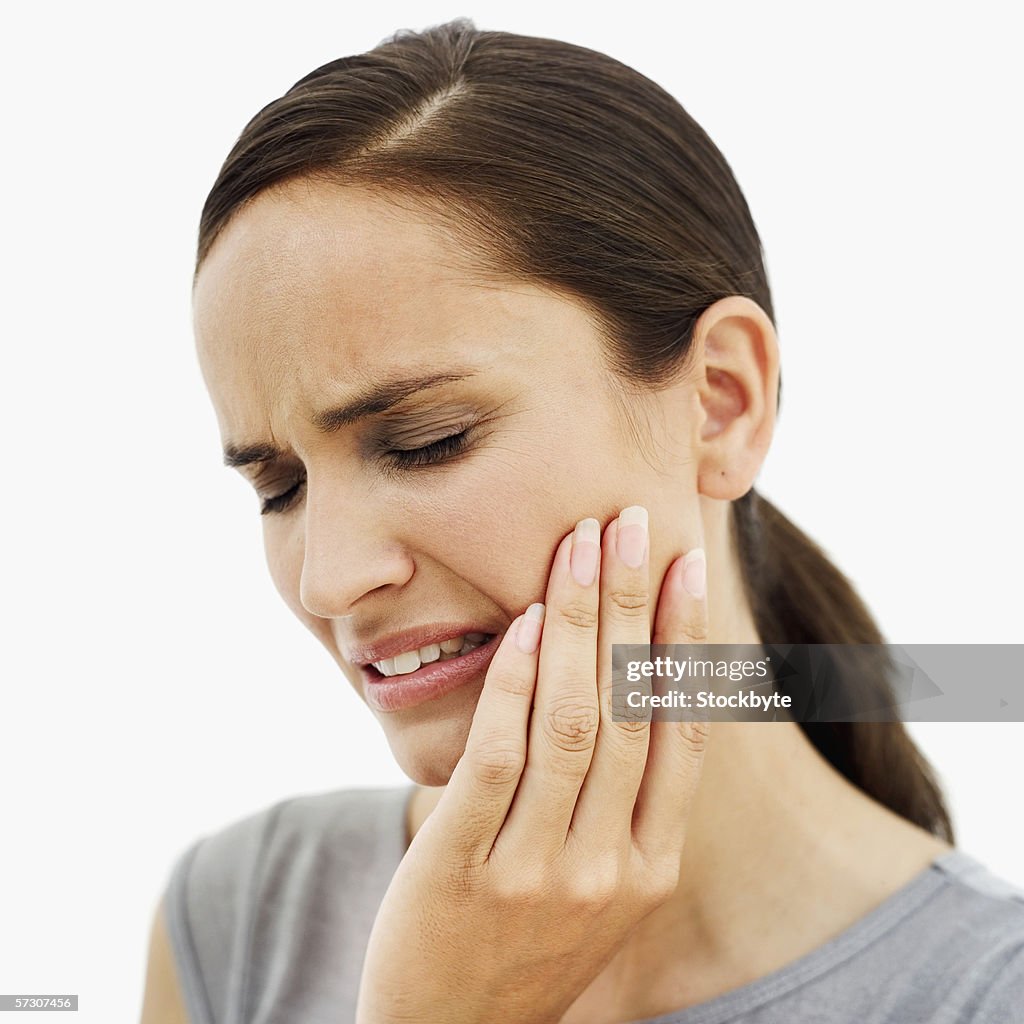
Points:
x=798, y=596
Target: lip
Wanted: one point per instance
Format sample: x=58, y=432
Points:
x=411, y=640
x=428, y=682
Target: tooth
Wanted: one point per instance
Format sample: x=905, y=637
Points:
x=402, y=664
x=408, y=662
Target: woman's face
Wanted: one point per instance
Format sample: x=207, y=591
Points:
x=315, y=295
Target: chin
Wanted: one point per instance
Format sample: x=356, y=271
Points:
x=427, y=764
x=426, y=772
x=427, y=748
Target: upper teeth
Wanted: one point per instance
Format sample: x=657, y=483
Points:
x=411, y=660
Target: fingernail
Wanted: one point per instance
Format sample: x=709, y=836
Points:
x=631, y=536
x=695, y=572
x=528, y=634
x=586, y=547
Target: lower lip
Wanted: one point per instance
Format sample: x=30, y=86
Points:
x=428, y=682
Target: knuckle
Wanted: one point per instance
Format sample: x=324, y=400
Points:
x=634, y=729
x=656, y=874
x=511, y=684
x=628, y=720
x=497, y=762
x=692, y=631
x=571, y=723
x=694, y=736
x=578, y=613
x=632, y=719
x=629, y=598
x=595, y=886
x=661, y=882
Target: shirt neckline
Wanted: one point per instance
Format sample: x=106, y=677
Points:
x=870, y=926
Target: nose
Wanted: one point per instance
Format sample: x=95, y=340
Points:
x=350, y=549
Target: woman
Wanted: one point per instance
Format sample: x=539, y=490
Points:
x=486, y=325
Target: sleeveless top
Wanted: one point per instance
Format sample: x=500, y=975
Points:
x=269, y=920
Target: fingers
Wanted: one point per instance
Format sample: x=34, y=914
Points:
x=604, y=808
x=545, y=762
x=563, y=727
x=475, y=803
x=676, y=753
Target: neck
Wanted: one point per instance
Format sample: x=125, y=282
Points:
x=782, y=853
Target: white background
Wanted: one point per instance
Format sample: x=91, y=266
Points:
x=154, y=685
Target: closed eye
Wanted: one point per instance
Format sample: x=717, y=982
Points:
x=403, y=458
x=436, y=451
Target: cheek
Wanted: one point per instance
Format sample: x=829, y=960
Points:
x=491, y=535
x=497, y=527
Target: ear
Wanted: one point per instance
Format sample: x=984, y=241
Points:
x=736, y=347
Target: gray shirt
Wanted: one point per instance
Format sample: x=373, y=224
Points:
x=269, y=919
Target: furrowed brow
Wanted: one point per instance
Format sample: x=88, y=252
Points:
x=382, y=397
x=377, y=399
x=236, y=455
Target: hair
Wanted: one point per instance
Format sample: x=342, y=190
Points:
x=558, y=164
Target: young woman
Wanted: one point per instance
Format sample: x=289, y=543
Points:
x=486, y=325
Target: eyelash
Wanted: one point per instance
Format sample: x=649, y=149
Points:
x=429, y=454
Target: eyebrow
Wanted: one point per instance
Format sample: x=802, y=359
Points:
x=376, y=399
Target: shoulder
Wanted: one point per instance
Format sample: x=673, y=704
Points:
x=246, y=896
x=1003, y=999
x=990, y=907
x=162, y=997
x=975, y=942
x=946, y=947
x=350, y=827
x=960, y=951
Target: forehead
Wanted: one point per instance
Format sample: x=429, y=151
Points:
x=313, y=286
x=305, y=263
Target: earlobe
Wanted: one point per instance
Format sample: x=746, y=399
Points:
x=737, y=345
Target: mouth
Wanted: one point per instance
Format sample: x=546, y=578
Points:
x=446, y=650
x=432, y=679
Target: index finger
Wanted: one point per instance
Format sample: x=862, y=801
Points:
x=475, y=802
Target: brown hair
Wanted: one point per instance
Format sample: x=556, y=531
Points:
x=559, y=164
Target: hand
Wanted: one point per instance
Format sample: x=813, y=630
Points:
x=540, y=857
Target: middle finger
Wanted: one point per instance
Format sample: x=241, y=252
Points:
x=563, y=725
x=604, y=808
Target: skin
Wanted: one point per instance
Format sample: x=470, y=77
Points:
x=315, y=291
